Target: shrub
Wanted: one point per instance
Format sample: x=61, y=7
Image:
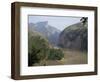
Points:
x=55, y=54
x=38, y=50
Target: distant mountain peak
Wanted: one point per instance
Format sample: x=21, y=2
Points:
x=48, y=31
x=43, y=23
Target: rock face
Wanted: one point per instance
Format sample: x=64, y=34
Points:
x=74, y=37
x=46, y=30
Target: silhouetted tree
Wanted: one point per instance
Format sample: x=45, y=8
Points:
x=84, y=20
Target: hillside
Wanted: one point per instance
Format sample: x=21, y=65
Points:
x=46, y=30
x=74, y=37
x=33, y=36
x=40, y=50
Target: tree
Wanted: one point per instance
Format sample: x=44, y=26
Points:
x=39, y=50
x=84, y=20
x=55, y=54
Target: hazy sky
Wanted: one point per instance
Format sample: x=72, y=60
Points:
x=59, y=22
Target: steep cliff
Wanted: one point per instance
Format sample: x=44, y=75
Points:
x=74, y=37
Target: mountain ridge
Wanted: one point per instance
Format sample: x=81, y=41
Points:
x=48, y=31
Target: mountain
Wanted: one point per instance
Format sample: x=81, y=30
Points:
x=46, y=30
x=36, y=39
x=74, y=37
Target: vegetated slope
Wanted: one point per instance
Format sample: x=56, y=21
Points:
x=40, y=50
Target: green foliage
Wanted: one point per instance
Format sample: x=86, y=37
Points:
x=38, y=50
x=55, y=54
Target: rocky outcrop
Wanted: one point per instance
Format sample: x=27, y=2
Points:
x=46, y=30
x=74, y=37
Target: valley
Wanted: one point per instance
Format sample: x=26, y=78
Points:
x=47, y=45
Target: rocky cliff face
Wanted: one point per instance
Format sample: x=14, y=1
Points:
x=46, y=30
x=74, y=37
